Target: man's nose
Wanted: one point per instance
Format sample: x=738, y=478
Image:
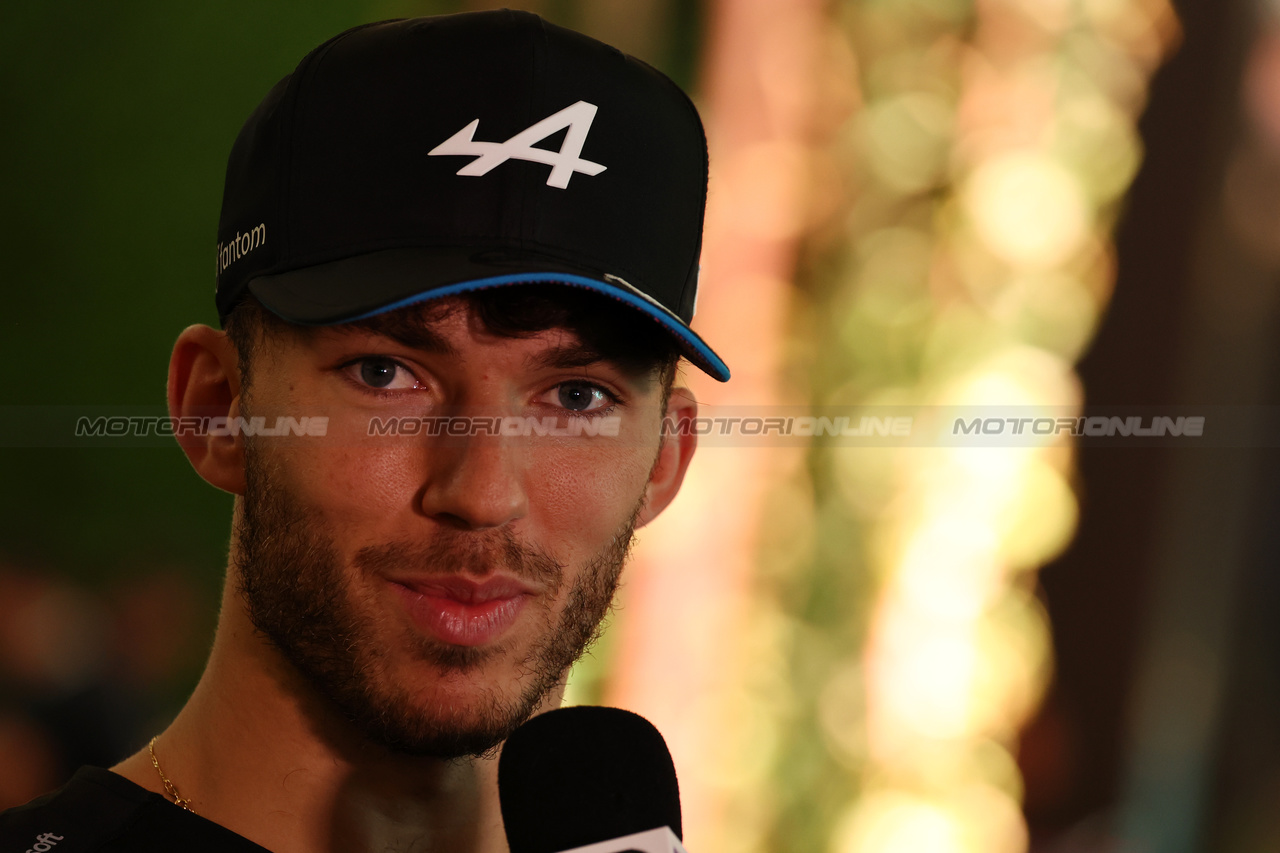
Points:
x=474, y=483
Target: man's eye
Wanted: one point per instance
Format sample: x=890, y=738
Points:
x=384, y=374
x=582, y=396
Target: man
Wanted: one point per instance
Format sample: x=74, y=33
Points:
x=459, y=255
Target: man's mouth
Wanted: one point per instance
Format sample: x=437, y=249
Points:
x=462, y=611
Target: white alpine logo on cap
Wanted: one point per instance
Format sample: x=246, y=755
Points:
x=577, y=117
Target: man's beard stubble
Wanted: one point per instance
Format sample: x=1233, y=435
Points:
x=293, y=586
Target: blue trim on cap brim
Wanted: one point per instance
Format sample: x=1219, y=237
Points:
x=719, y=369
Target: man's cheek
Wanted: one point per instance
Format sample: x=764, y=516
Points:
x=595, y=494
x=362, y=478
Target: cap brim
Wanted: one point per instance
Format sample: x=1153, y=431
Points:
x=365, y=285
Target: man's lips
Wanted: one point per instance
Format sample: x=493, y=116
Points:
x=461, y=611
x=465, y=590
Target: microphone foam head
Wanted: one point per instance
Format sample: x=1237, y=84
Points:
x=580, y=775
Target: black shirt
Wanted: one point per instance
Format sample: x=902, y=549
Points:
x=100, y=812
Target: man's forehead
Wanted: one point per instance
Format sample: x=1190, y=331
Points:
x=439, y=326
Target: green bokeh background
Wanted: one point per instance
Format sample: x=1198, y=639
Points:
x=118, y=119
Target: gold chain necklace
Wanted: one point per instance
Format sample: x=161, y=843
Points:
x=168, y=786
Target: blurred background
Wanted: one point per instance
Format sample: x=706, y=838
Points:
x=850, y=648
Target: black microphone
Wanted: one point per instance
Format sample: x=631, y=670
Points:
x=589, y=777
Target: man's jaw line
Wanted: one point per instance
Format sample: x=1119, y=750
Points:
x=468, y=590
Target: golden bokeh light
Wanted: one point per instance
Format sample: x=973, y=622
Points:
x=1028, y=209
x=966, y=271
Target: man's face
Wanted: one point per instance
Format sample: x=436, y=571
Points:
x=436, y=589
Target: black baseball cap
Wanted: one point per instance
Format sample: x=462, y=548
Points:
x=412, y=159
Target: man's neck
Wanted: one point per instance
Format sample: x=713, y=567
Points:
x=257, y=751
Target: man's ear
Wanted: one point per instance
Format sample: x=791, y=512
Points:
x=674, y=456
x=204, y=383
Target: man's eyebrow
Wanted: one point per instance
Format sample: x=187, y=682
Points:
x=568, y=356
x=408, y=331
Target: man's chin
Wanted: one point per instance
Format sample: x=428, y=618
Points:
x=452, y=713
x=445, y=744
x=444, y=731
